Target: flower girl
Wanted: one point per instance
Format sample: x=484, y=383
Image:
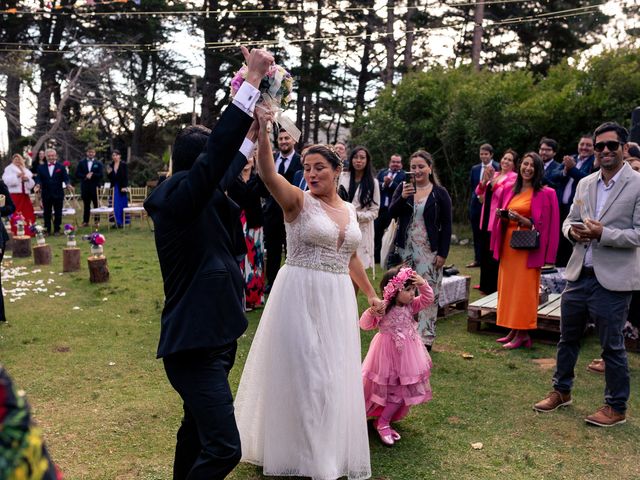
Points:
x=397, y=367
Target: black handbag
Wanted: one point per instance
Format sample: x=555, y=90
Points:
x=525, y=239
x=393, y=259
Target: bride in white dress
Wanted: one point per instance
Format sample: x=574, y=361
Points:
x=300, y=404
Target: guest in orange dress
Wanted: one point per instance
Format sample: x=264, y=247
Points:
x=19, y=181
x=528, y=205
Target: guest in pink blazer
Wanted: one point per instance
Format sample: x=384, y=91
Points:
x=527, y=205
x=490, y=192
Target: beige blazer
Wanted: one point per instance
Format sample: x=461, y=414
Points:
x=616, y=256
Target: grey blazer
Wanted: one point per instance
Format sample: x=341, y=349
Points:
x=616, y=256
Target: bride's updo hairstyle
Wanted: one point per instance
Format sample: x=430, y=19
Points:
x=327, y=151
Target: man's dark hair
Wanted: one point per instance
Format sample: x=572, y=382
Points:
x=549, y=142
x=189, y=143
x=634, y=150
x=622, y=132
x=487, y=147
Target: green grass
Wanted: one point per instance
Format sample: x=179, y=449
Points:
x=108, y=411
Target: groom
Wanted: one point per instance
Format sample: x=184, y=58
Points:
x=203, y=312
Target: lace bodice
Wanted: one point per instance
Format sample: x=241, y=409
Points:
x=399, y=323
x=316, y=241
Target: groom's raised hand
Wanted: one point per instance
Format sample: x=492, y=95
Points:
x=258, y=62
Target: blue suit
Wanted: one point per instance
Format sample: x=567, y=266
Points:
x=475, y=207
x=553, y=175
x=299, y=181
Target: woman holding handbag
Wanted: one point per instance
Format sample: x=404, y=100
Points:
x=524, y=237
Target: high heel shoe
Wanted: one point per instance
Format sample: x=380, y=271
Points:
x=518, y=342
x=506, y=339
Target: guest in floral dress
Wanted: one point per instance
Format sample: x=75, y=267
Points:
x=423, y=237
x=245, y=191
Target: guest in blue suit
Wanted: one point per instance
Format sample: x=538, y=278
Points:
x=574, y=168
x=299, y=181
x=552, y=170
x=475, y=205
x=388, y=179
x=51, y=180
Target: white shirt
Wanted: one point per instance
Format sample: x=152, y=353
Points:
x=89, y=165
x=51, y=166
x=566, y=195
x=245, y=99
x=602, y=194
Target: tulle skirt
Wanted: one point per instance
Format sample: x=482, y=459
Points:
x=300, y=404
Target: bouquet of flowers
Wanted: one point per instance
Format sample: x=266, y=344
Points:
x=276, y=88
x=70, y=231
x=97, y=241
x=38, y=231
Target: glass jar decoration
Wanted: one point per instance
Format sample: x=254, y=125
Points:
x=40, y=240
x=97, y=250
x=20, y=227
x=71, y=240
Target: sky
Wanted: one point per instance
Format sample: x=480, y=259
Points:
x=440, y=44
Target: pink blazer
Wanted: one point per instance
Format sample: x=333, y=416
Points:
x=499, y=188
x=546, y=218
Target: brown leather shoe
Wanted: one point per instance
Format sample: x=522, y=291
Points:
x=606, y=416
x=596, y=366
x=554, y=400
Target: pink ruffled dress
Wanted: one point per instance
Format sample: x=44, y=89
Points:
x=397, y=367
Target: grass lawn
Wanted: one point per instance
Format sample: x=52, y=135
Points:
x=85, y=354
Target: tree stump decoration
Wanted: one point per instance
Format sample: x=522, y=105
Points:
x=70, y=259
x=42, y=254
x=98, y=269
x=9, y=245
x=21, y=246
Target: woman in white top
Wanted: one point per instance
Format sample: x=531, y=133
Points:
x=364, y=193
x=19, y=180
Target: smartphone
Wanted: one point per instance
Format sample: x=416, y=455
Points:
x=410, y=177
x=503, y=213
x=578, y=225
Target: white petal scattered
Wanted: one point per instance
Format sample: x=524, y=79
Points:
x=477, y=446
x=76, y=308
x=105, y=299
x=111, y=364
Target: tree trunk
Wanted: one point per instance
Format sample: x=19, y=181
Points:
x=213, y=61
x=12, y=111
x=390, y=43
x=410, y=35
x=364, y=76
x=476, y=47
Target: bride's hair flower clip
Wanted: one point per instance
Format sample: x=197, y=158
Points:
x=397, y=283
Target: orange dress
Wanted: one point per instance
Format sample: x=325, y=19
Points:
x=518, y=285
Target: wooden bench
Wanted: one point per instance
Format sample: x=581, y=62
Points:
x=484, y=311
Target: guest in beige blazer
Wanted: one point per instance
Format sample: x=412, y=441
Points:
x=604, y=268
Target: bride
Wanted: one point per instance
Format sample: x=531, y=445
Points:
x=300, y=404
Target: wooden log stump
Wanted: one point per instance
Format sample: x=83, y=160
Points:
x=9, y=245
x=22, y=246
x=42, y=254
x=70, y=259
x=98, y=269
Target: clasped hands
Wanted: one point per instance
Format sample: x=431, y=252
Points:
x=590, y=230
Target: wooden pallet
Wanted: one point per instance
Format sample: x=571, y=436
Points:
x=456, y=307
x=484, y=311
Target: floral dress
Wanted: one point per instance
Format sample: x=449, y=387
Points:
x=417, y=253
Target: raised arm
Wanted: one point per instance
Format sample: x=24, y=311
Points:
x=288, y=196
x=423, y=300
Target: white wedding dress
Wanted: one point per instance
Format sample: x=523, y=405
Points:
x=300, y=404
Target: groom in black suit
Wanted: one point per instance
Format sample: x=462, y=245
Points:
x=90, y=172
x=51, y=180
x=203, y=313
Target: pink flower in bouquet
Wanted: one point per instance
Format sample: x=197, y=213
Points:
x=66, y=163
x=238, y=80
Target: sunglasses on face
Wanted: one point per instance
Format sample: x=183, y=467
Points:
x=611, y=145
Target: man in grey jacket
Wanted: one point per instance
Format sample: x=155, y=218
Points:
x=604, y=268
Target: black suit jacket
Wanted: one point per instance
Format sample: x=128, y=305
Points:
x=51, y=185
x=121, y=177
x=387, y=192
x=195, y=226
x=5, y=211
x=475, y=207
x=272, y=211
x=88, y=186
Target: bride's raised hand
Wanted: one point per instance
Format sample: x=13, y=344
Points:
x=264, y=116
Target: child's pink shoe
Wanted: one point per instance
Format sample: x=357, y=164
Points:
x=386, y=435
x=396, y=436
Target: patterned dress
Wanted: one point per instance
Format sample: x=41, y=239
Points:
x=252, y=265
x=417, y=254
x=23, y=455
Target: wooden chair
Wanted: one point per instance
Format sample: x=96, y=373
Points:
x=137, y=196
x=105, y=209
